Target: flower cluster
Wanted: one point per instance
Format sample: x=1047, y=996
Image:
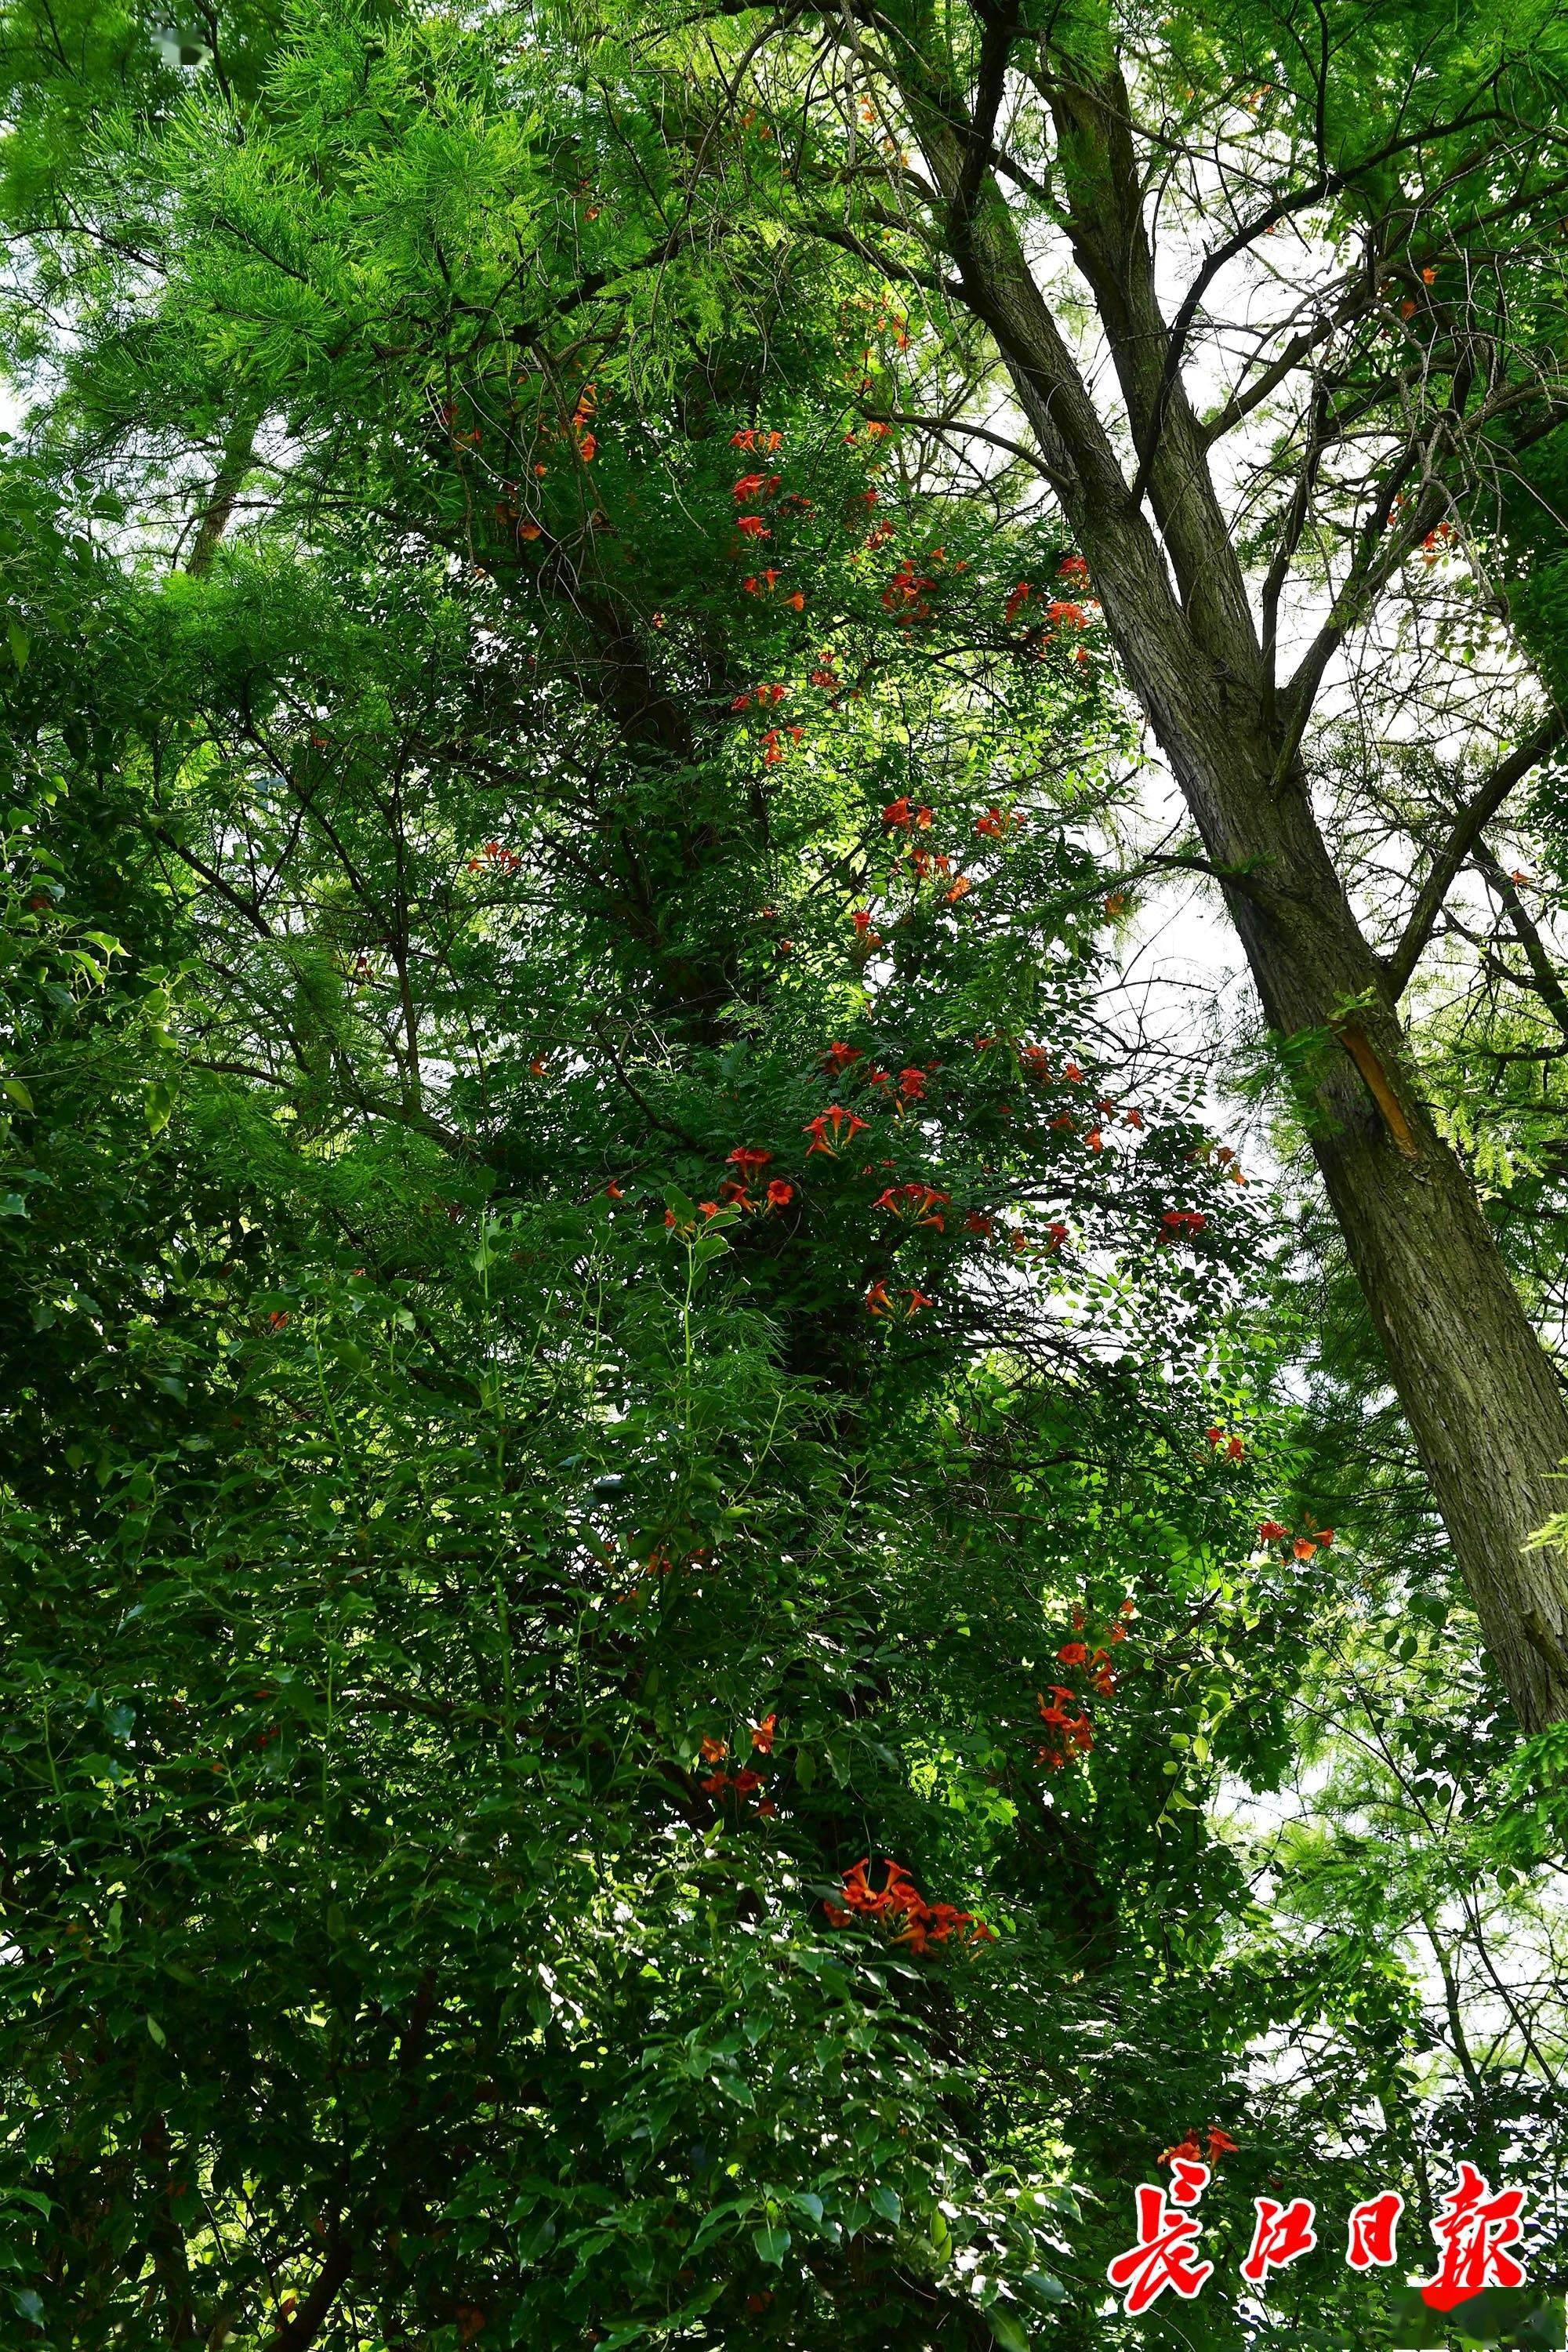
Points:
x=1292, y=1546
x=898, y=1904
x=1061, y=612
x=581, y=424
x=914, y=1202
x=1076, y=1732
x=763, y=583
x=881, y=1301
x=495, y=853
x=753, y=490
x=1177, y=1221
x=735, y=1191
x=1224, y=1156
x=905, y=594
x=772, y=743
x=1188, y=2150
x=747, y=1781
x=1066, y=1715
x=846, y=1123
x=998, y=822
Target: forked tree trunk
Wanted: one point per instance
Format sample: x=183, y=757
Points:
x=1482, y=1398
x=1483, y=1401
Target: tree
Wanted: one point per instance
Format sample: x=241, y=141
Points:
x=1273, y=447
x=604, y=1306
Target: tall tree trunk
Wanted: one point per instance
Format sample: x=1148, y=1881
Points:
x=1482, y=1399
x=239, y=450
x=1481, y=1396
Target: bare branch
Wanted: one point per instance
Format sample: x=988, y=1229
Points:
x=1031, y=457
x=300, y=2330
x=1547, y=982
x=1461, y=843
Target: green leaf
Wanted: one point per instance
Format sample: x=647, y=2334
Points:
x=1008, y=2329
x=772, y=2243
x=885, y=2201
x=530, y=2245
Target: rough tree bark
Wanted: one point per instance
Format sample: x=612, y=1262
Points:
x=1481, y=1396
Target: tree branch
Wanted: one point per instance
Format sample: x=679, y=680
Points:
x=1462, y=840
x=1547, y=984
x=1031, y=457
x=214, y=880
x=300, y=2330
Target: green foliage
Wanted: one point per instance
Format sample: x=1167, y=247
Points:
x=480, y=1569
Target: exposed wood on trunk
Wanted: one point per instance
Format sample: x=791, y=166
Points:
x=1364, y=1054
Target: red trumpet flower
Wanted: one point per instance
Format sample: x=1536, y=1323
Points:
x=840, y=1120
x=898, y=1904
x=1177, y=1221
